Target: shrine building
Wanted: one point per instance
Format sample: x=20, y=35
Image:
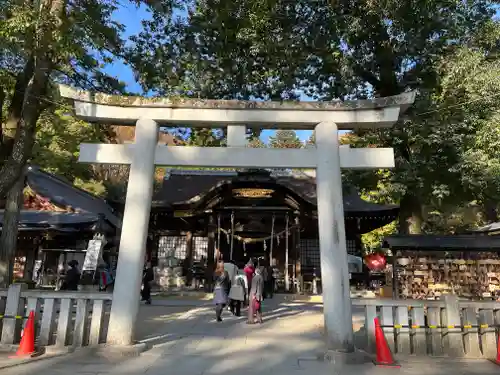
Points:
x=252, y=213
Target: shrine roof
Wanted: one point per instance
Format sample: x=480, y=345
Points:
x=491, y=228
x=404, y=99
x=33, y=220
x=190, y=187
x=64, y=194
x=429, y=242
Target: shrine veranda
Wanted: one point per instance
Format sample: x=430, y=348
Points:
x=327, y=158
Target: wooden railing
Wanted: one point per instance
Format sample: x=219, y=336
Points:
x=438, y=328
x=62, y=319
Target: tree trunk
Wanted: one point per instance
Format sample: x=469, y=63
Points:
x=410, y=215
x=490, y=211
x=8, y=239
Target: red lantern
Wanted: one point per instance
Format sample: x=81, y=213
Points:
x=375, y=262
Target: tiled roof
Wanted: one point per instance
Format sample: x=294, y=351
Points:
x=62, y=193
x=186, y=187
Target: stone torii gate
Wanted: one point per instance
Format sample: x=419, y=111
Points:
x=326, y=118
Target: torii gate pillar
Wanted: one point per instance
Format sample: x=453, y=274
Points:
x=134, y=233
x=332, y=241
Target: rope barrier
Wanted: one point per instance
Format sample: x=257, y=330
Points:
x=430, y=326
x=13, y=317
x=252, y=239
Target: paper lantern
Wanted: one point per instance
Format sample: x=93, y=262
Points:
x=375, y=262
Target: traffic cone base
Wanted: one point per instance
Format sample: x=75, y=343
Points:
x=393, y=365
x=495, y=361
x=384, y=356
x=27, y=345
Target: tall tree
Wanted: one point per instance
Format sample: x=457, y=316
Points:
x=285, y=139
x=268, y=49
x=42, y=43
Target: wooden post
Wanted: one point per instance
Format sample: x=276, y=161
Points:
x=211, y=254
x=287, y=272
x=31, y=253
x=188, y=262
x=298, y=274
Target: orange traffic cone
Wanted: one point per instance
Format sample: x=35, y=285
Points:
x=497, y=359
x=384, y=355
x=27, y=345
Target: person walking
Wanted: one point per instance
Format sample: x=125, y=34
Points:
x=232, y=271
x=270, y=275
x=221, y=289
x=249, y=271
x=256, y=297
x=237, y=294
x=147, y=277
x=105, y=277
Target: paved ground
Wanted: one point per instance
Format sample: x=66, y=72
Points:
x=189, y=342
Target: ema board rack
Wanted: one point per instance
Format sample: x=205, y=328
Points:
x=430, y=275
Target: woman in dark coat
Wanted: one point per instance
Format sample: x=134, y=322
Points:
x=72, y=278
x=148, y=277
x=222, y=285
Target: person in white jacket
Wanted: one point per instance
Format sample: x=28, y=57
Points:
x=237, y=291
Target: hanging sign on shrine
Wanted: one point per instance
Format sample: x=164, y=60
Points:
x=375, y=262
x=93, y=254
x=253, y=193
x=183, y=213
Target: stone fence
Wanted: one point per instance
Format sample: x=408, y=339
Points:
x=63, y=320
x=437, y=328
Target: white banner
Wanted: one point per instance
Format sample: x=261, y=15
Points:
x=93, y=255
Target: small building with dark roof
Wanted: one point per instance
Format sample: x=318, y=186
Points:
x=57, y=221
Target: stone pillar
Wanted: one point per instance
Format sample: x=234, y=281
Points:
x=134, y=234
x=332, y=241
x=236, y=135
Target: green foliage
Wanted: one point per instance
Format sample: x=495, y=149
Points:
x=48, y=42
x=446, y=152
x=285, y=139
x=56, y=148
x=92, y=186
x=58, y=138
x=256, y=143
x=372, y=241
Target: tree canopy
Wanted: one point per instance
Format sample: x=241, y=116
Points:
x=446, y=146
x=270, y=49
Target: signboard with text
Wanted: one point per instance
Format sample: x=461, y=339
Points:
x=92, y=255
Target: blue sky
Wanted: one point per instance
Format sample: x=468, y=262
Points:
x=131, y=16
